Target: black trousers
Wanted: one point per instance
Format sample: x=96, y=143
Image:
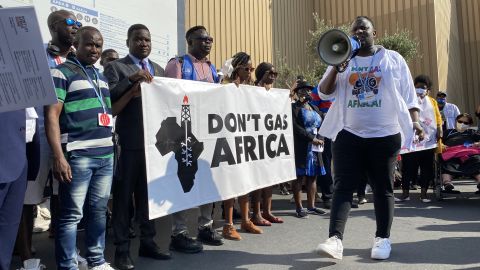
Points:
x=362, y=185
x=325, y=182
x=410, y=164
x=353, y=157
x=132, y=179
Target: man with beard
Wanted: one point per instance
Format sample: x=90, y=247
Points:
x=63, y=26
x=79, y=132
x=375, y=104
x=124, y=77
x=194, y=66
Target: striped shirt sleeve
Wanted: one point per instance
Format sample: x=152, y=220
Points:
x=60, y=82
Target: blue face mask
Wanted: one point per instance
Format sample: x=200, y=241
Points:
x=441, y=101
x=421, y=91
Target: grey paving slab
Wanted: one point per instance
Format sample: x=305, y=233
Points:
x=439, y=235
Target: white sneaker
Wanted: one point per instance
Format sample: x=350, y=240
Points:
x=425, y=200
x=401, y=199
x=42, y=221
x=81, y=262
x=32, y=264
x=332, y=247
x=381, y=248
x=104, y=266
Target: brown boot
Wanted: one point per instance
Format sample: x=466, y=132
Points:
x=229, y=232
x=250, y=227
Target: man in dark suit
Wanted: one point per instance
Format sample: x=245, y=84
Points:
x=13, y=177
x=124, y=78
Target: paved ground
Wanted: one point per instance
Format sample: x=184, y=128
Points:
x=440, y=235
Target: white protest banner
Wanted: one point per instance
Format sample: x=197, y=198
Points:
x=429, y=125
x=208, y=142
x=25, y=79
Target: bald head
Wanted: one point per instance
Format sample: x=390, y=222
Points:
x=58, y=15
x=62, y=33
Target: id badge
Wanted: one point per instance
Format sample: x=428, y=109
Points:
x=105, y=120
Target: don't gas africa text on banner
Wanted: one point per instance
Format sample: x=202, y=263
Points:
x=208, y=142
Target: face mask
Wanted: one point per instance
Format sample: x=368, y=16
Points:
x=306, y=98
x=461, y=127
x=421, y=91
x=441, y=101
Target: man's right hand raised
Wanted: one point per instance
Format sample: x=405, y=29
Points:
x=140, y=76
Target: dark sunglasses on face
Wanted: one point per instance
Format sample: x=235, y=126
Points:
x=205, y=39
x=462, y=122
x=247, y=69
x=71, y=22
x=273, y=73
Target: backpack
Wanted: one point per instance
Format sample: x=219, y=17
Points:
x=188, y=72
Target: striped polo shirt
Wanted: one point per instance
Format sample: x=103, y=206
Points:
x=81, y=135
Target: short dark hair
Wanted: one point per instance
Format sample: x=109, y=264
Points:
x=134, y=27
x=82, y=30
x=193, y=30
x=107, y=51
x=366, y=18
x=423, y=79
x=468, y=116
x=260, y=71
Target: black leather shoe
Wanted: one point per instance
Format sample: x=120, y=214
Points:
x=209, y=236
x=123, y=261
x=183, y=243
x=131, y=233
x=152, y=251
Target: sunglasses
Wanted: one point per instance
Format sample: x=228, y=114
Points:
x=462, y=122
x=70, y=22
x=205, y=39
x=247, y=69
x=273, y=73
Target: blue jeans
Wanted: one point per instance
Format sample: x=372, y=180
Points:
x=90, y=185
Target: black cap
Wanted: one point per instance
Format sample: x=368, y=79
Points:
x=441, y=93
x=301, y=84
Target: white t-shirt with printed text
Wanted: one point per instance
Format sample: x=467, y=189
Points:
x=369, y=112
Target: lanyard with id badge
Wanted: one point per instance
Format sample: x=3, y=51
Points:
x=104, y=119
x=365, y=95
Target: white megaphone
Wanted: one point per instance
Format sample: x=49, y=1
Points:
x=335, y=47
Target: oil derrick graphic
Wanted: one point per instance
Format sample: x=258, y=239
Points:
x=179, y=139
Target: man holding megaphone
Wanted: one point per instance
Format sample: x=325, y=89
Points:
x=374, y=112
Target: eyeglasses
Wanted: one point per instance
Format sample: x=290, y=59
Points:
x=70, y=22
x=205, y=39
x=463, y=122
